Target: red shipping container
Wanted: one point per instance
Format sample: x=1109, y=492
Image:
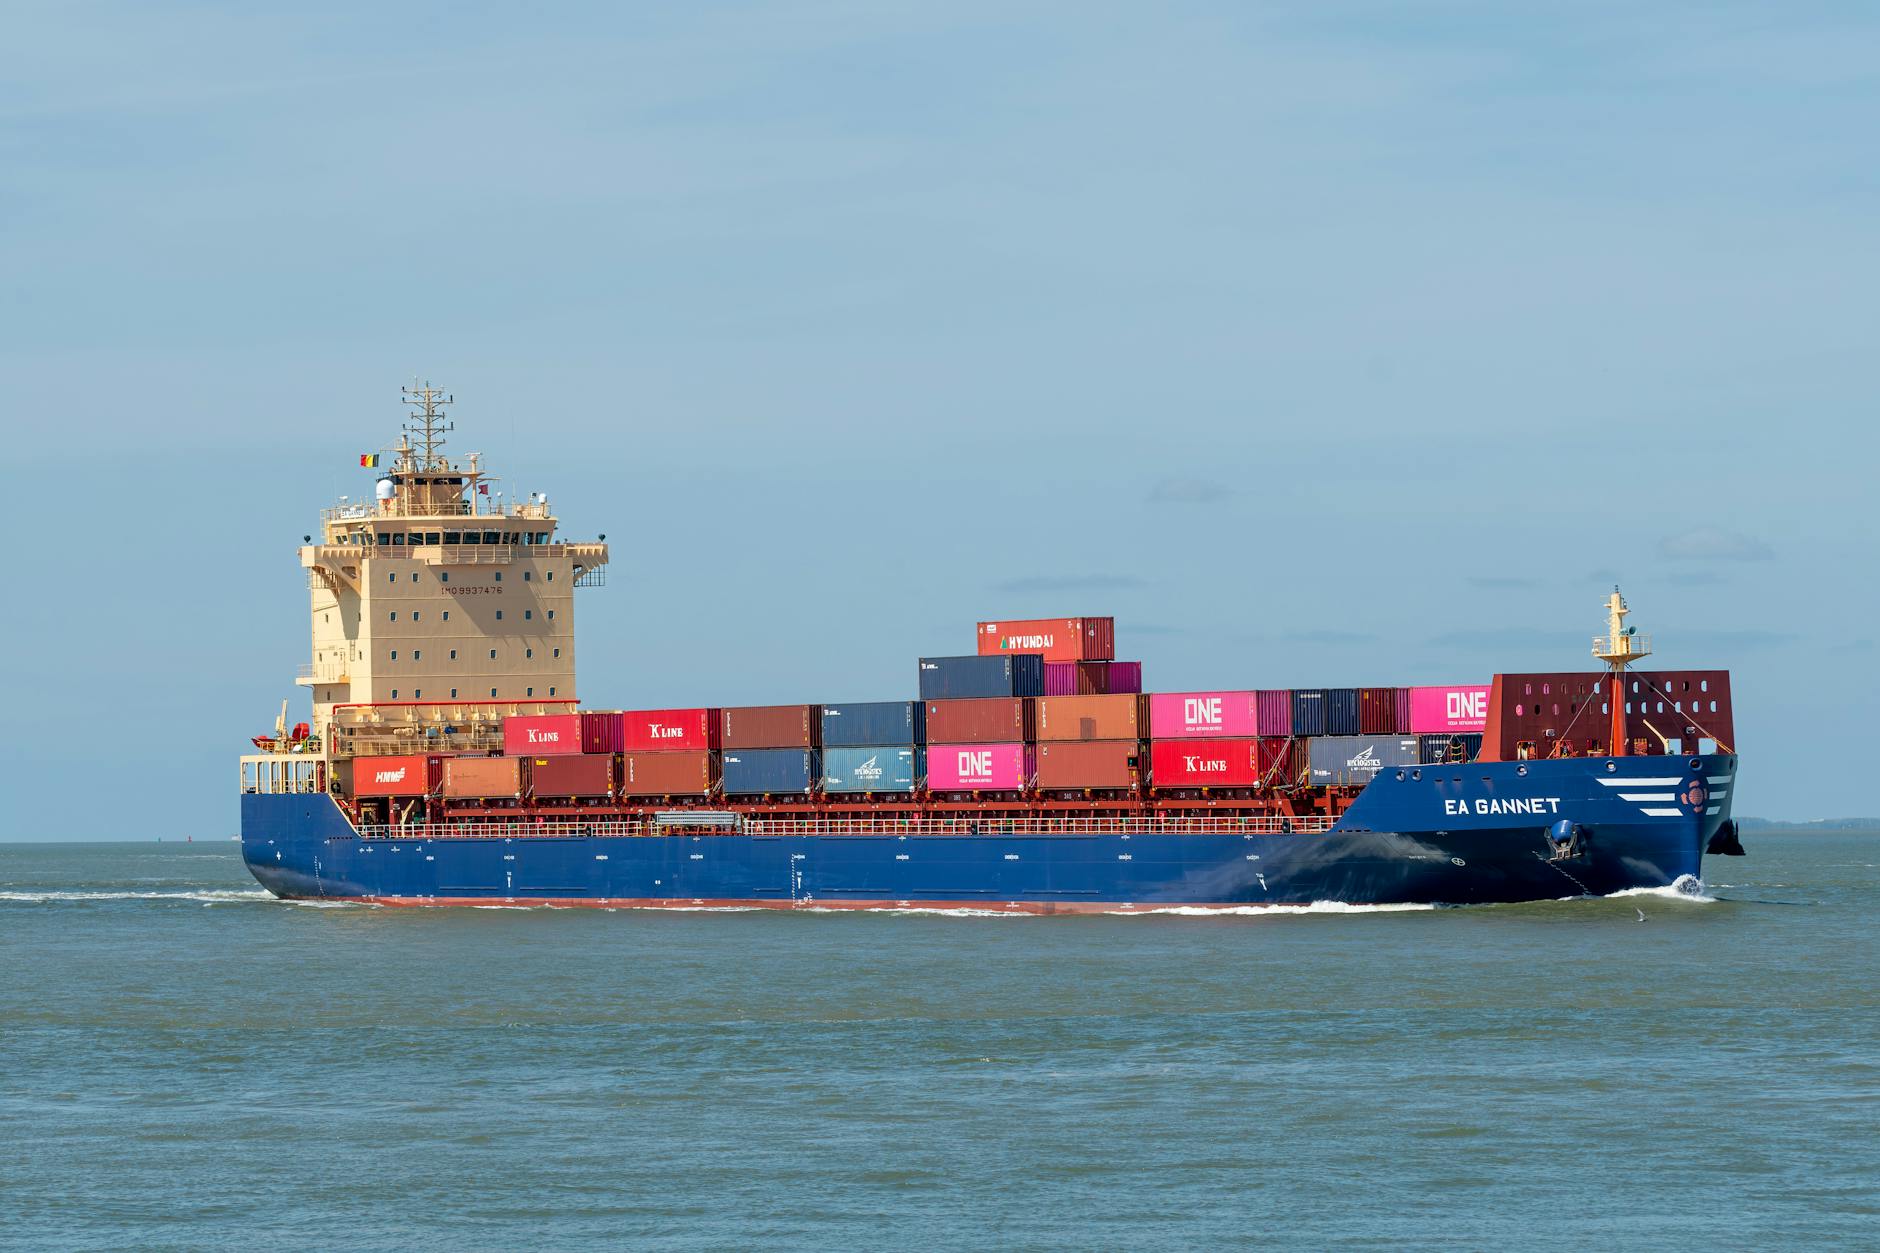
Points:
x=988, y=720
x=668, y=730
x=600, y=732
x=1056, y=639
x=1403, y=712
x=395, y=776
x=770, y=726
x=482, y=778
x=1377, y=711
x=1204, y=763
x=668, y=774
x=1272, y=711
x=1105, y=764
x=541, y=735
x=1090, y=718
x=585, y=776
x=1091, y=678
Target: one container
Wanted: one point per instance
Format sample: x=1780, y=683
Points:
x=1308, y=711
x=979, y=767
x=1090, y=718
x=1272, y=712
x=600, y=731
x=1354, y=760
x=1055, y=639
x=991, y=720
x=542, y=735
x=966, y=678
x=1341, y=711
x=1442, y=750
x=586, y=776
x=686, y=773
x=1109, y=765
x=1203, y=715
x=770, y=726
x=485, y=778
x=882, y=724
x=770, y=771
x=1451, y=710
x=872, y=769
x=1091, y=678
x=1377, y=711
x=668, y=730
x=396, y=776
x=1208, y=763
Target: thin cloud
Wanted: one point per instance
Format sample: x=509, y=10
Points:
x=1714, y=543
x=1071, y=583
x=1189, y=492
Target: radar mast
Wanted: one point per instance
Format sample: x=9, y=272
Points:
x=1618, y=648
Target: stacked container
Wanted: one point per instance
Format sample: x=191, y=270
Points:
x=1341, y=711
x=1377, y=711
x=873, y=747
x=396, y=776
x=1089, y=765
x=1091, y=678
x=1354, y=760
x=1452, y=710
x=771, y=749
x=1273, y=712
x=574, y=777
x=666, y=752
x=1206, y=715
x=542, y=735
x=966, y=678
x=1308, y=711
x=979, y=767
x=1055, y=639
x=487, y=778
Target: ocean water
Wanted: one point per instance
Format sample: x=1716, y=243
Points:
x=185, y=1062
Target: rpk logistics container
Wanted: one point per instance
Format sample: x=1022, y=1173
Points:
x=1354, y=760
x=872, y=769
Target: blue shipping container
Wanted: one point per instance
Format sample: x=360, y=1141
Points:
x=973, y=678
x=1308, y=711
x=873, y=769
x=1341, y=711
x=1449, y=749
x=777, y=771
x=875, y=724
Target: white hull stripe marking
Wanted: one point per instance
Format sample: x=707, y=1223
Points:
x=1648, y=796
x=1713, y=809
x=1639, y=782
x=1719, y=778
x=1663, y=813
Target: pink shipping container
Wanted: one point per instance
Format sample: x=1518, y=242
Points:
x=978, y=767
x=668, y=730
x=1272, y=711
x=600, y=732
x=1201, y=715
x=1092, y=678
x=1448, y=710
x=541, y=736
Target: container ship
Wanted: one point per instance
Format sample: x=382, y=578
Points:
x=448, y=759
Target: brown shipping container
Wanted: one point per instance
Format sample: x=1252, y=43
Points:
x=667, y=774
x=1106, y=764
x=576, y=777
x=771, y=726
x=479, y=777
x=989, y=720
x=1377, y=711
x=1090, y=718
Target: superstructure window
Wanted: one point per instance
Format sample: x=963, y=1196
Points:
x=453, y=654
x=492, y=654
x=453, y=537
x=499, y=576
x=392, y=577
x=526, y=576
x=551, y=576
x=394, y=654
x=499, y=615
x=558, y=652
x=528, y=615
x=453, y=693
x=531, y=691
x=492, y=537
x=447, y=615
x=417, y=693
x=551, y=615
x=416, y=614
x=414, y=576
x=444, y=577
x=528, y=652
x=394, y=693
x=417, y=654
x=394, y=616
x=551, y=691
x=492, y=693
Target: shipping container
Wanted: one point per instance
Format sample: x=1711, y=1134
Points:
x=1308, y=711
x=586, y=776
x=992, y=720
x=541, y=736
x=770, y=726
x=1341, y=711
x=1377, y=711
x=668, y=730
x=879, y=724
x=1199, y=764
x=1441, y=750
x=1061, y=718
x=600, y=731
x=1354, y=760
x=967, y=678
x=1448, y=710
x=396, y=776
x=1091, y=678
x=1107, y=765
x=1403, y=712
x=770, y=771
x=872, y=769
x=1272, y=712
x=486, y=778
x=688, y=773
x=979, y=767
x=1203, y=715
x=1055, y=639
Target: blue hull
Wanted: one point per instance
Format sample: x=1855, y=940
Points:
x=1439, y=834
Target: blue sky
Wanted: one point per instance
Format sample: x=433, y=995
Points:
x=1319, y=343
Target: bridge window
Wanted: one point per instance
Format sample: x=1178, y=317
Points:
x=492, y=537
x=473, y=537
x=453, y=537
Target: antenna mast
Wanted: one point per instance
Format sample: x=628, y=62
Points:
x=1618, y=648
x=427, y=425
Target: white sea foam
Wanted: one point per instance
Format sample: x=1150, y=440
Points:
x=206, y=896
x=1685, y=887
x=1264, y=911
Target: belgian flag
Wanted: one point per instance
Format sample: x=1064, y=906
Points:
x=368, y=458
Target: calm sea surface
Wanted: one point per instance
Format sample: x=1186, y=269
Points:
x=185, y=1062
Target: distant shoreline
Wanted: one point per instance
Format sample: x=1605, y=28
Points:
x=1775, y=826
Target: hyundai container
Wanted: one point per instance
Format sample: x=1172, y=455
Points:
x=1054, y=639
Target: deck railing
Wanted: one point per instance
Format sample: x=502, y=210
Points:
x=772, y=828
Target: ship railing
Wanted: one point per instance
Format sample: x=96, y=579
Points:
x=963, y=827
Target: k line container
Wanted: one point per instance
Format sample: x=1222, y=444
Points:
x=770, y=726
x=587, y=776
x=1437, y=750
x=1308, y=711
x=967, y=678
x=396, y=776
x=541, y=735
x=485, y=778
x=770, y=771
x=1203, y=715
x=1054, y=639
x=1062, y=718
x=668, y=730
x=872, y=769
x=1091, y=678
x=1377, y=711
x=1449, y=710
x=1354, y=760
x=600, y=731
x=979, y=767
x=879, y=724
x=684, y=773
x=1109, y=765
x=1341, y=711
x=1273, y=712
x=991, y=720
x=1204, y=763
